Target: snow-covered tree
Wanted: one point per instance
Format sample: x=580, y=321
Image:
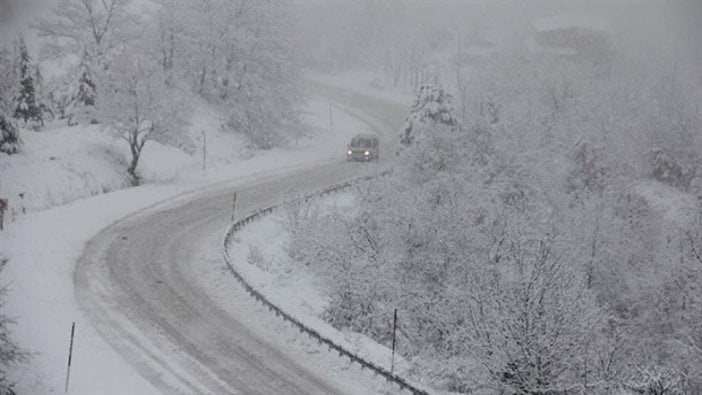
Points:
x=530, y=320
x=240, y=57
x=137, y=106
x=431, y=107
x=101, y=27
x=672, y=125
x=83, y=94
x=171, y=38
x=678, y=317
x=26, y=107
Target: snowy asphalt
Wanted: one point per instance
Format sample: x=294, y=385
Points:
x=135, y=283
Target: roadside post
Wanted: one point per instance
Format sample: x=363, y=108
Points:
x=3, y=208
x=70, y=355
x=233, y=206
x=394, y=330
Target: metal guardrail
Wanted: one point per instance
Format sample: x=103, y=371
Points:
x=378, y=370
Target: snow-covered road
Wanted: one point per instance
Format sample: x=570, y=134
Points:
x=43, y=247
x=140, y=283
x=136, y=283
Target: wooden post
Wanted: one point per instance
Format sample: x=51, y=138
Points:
x=70, y=355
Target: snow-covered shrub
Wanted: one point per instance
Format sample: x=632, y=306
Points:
x=676, y=169
x=589, y=172
x=10, y=141
x=300, y=220
x=255, y=257
x=656, y=380
x=334, y=246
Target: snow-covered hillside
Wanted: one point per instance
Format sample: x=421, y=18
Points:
x=60, y=164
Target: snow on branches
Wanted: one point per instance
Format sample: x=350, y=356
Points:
x=100, y=27
x=83, y=94
x=137, y=106
x=431, y=107
x=25, y=101
x=10, y=141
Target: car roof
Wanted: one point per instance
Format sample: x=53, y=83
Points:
x=365, y=136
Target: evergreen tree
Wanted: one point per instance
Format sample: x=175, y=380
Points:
x=84, y=93
x=431, y=107
x=25, y=102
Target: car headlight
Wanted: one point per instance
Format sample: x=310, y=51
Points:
x=349, y=152
x=366, y=153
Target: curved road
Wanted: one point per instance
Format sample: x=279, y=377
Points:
x=135, y=283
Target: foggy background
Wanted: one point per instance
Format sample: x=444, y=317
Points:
x=352, y=32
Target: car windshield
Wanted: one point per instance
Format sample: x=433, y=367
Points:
x=362, y=142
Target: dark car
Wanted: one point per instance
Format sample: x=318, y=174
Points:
x=364, y=148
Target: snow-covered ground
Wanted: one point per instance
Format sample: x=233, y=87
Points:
x=60, y=164
x=43, y=245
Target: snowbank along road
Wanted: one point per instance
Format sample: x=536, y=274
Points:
x=137, y=283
